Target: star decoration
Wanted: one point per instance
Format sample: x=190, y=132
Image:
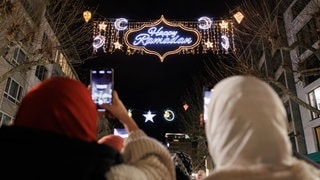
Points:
x=117, y=45
x=209, y=44
x=223, y=25
x=149, y=116
x=102, y=26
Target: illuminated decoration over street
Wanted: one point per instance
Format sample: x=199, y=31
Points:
x=163, y=37
x=121, y=24
x=185, y=106
x=238, y=16
x=117, y=45
x=209, y=44
x=169, y=115
x=130, y=112
x=207, y=23
x=149, y=116
x=225, y=42
x=98, y=41
x=87, y=16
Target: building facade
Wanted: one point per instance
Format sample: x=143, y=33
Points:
x=297, y=68
x=302, y=24
x=29, y=53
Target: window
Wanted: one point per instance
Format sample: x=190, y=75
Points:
x=5, y=119
x=298, y=7
x=41, y=72
x=308, y=35
x=314, y=101
x=311, y=63
x=13, y=91
x=19, y=56
x=293, y=141
x=317, y=131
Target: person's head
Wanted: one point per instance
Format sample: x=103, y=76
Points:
x=112, y=140
x=201, y=174
x=183, y=165
x=59, y=105
x=247, y=124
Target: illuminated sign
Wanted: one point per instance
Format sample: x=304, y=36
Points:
x=162, y=38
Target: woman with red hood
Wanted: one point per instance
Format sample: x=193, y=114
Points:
x=54, y=136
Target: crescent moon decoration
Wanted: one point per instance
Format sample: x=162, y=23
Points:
x=121, y=24
x=204, y=22
x=169, y=115
x=98, y=41
x=225, y=42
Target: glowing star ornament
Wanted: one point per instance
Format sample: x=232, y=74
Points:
x=117, y=45
x=149, y=116
x=209, y=44
x=102, y=26
x=224, y=25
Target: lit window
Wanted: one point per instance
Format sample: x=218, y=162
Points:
x=314, y=101
x=317, y=131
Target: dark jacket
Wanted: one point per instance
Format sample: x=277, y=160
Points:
x=34, y=154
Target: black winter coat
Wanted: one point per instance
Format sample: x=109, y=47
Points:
x=34, y=154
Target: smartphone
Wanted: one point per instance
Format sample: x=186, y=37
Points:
x=101, y=86
x=207, y=91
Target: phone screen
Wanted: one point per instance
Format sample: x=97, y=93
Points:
x=206, y=100
x=120, y=132
x=101, y=86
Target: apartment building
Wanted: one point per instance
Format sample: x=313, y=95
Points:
x=297, y=67
x=29, y=53
x=302, y=24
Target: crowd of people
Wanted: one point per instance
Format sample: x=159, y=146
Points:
x=54, y=136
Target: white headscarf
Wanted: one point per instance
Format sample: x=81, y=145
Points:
x=247, y=128
x=247, y=123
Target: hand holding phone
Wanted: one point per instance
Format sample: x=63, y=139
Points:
x=101, y=86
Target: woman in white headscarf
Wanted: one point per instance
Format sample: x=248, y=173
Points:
x=247, y=134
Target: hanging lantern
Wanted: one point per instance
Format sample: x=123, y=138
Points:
x=238, y=16
x=87, y=16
